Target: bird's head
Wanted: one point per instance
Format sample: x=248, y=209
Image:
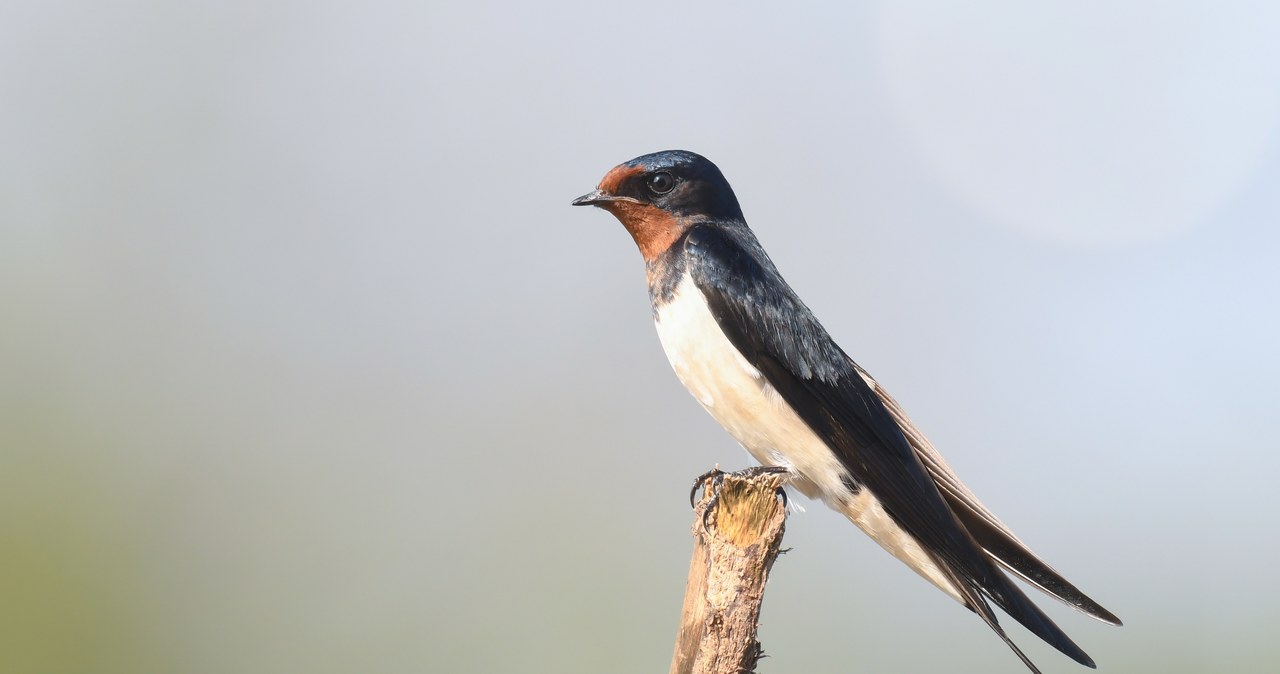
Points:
x=659, y=196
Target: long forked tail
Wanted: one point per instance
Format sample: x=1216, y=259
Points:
x=991, y=535
x=1013, y=601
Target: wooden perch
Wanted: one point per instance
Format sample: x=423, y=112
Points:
x=737, y=530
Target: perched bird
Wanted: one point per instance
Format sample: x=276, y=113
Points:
x=754, y=356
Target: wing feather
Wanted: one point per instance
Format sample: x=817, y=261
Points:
x=779, y=336
x=994, y=536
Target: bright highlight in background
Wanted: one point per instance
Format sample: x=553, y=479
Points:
x=1112, y=126
x=307, y=365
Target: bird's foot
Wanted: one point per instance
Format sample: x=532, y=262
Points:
x=717, y=477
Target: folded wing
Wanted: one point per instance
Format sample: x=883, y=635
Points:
x=991, y=534
x=779, y=336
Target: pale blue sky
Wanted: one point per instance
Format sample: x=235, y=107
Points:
x=308, y=365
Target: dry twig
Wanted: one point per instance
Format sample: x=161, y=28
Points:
x=737, y=530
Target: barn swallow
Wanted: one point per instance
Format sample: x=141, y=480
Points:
x=750, y=351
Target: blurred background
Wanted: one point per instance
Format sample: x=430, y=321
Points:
x=307, y=365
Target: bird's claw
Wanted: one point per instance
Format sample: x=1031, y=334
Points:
x=714, y=473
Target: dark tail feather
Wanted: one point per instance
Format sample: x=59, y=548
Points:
x=1011, y=600
x=1015, y=556
x=977, y=604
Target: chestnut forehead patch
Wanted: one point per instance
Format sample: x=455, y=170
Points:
x=614, y=179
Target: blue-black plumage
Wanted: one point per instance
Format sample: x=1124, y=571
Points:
x=756, y=358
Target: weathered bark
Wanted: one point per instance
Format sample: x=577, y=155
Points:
x=737, y=530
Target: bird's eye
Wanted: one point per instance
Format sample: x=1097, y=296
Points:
x=661, y=182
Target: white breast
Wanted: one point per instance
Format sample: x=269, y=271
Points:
x=751, y=410
x=735, y=393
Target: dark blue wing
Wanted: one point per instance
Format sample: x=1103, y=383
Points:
x=778, y=335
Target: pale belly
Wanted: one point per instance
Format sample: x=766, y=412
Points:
x=736, y=394
x=740, y=399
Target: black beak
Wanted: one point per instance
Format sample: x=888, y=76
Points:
x=596, y=197
x=591, y=198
